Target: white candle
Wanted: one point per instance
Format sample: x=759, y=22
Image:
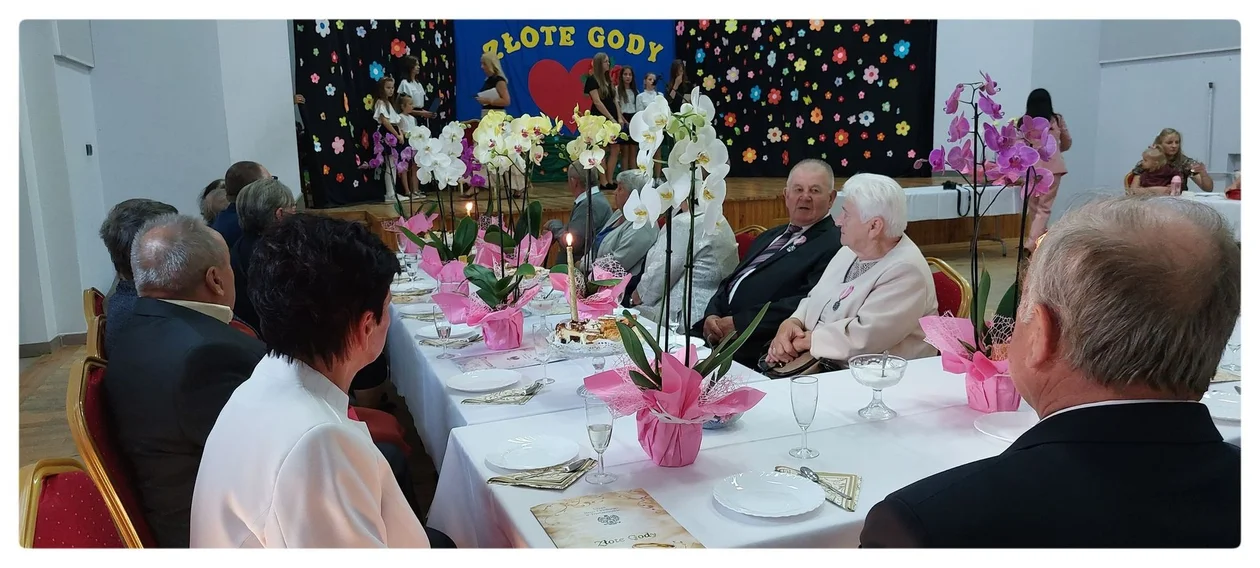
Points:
x=468, y=209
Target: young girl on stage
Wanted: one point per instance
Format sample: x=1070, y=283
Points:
x=627, y=94
x=642, y=102
x=406, y=122
x=387, y=118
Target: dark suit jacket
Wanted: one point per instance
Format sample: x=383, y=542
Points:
x=228, y=224
x=1142, y=475
x=783, y=280
x=241, y=253
x=170, y=372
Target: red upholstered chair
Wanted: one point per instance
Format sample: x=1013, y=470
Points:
x=953, y=293
x=744, y=238
x=381, y=425
x=93, y=304
x=96, y=337
x=94, y=437
x=61, y=508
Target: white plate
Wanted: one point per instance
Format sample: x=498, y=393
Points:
x=1006, y=426
x=1224, y=405
x=533, y=452
x=422, y=309
x=458, y=330
x=485, y=380
x=769, y=494
x=412, y=286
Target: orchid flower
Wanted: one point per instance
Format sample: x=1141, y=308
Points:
x=707, y=151
x=990, y=86
x=951, y=103
x=989, y=107
x=1017, y=159
x=959, y=128
x=961, y=158
x=592, y=158
x=701, y=105
x=643, y=211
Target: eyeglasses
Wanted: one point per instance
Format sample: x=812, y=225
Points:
x=275, y=177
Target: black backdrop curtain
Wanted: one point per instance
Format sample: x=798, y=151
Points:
x=338, y=64
x=856, y=93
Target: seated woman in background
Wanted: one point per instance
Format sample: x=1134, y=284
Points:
x=1156, y=177
x=1169, y=142
x=716, y=257
x=619, y=238
x=874, y=290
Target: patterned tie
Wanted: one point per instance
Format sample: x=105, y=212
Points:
x=774, y=247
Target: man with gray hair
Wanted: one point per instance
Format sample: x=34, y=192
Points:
x=1118, y=333
x=213, y=200
x=118, y=232
x=618, y=237
x=174, y=365
x=586, y=214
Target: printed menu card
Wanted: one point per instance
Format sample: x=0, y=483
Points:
x=620, y=519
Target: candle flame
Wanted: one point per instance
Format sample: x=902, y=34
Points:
x=468, y=207
x=568, y=239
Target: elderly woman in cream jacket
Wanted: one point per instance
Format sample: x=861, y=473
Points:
x=874, y=290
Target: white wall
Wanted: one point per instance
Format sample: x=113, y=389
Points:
x=1127, y=39
x=1065, y=62
x=167, y=107
x=964, y=48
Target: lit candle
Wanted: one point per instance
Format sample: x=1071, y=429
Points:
x=468, y=209
x=573, y=311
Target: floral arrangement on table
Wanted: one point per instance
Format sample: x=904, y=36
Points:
x=598, y=295
x=993, y=155
x=496, y=306
x=673, y=394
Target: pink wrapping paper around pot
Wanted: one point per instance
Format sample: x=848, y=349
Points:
x=601, y=303
x=418, y=224
x=502, y=329
x=989, y=386
x=431, y=263
x=669, y=444
x=535, y=252
x=454, y=306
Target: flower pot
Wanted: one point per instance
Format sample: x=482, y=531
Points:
x=994, y=393
x=503, y=330
x=669, y=441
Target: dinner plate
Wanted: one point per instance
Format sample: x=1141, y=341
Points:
x=423, y=309
x=1006, y=426
x=1223, y=405
x=458, y=330
x=533, y=452
x=412, y=287
x=768, y=494
x=484, y=380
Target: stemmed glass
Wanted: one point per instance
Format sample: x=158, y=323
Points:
x=877, y=371
x=804, y=406
x=1234, y=346
x=543, y=304
x=443, y=327
x=599, y=428
x=541, y=333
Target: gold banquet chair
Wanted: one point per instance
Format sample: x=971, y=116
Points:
x=953, y=292
x=93, y=436
x=96, y=337
x=61, y=508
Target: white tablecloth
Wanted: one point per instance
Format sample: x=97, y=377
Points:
x=934, y=432
x=1229, y=208
x=936, y=202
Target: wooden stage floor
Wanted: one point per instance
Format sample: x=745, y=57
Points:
x=749, y=201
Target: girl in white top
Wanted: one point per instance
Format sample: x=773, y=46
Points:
x=383, y=111
x=626, y=92
x=406, y=122
x=410, y=85
x=642, y=101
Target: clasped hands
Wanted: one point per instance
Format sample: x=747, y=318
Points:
x=717, y=328
x=790, y=342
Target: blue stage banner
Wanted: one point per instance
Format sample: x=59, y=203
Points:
x=545, y=61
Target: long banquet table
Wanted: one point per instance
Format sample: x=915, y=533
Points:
x=933, y=432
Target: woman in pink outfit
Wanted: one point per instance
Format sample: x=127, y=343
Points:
x=1039, y=207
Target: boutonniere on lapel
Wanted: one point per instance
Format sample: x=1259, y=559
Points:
x=796, y=241
x=843, y=295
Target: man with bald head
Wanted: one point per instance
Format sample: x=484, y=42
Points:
x=780, y=267
x=174, y=364
x=241, y=174
x=1118, y=333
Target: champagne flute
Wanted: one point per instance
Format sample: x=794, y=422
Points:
x=542, y=348
x=804, y=406
x=443, y=327
x=599, y=428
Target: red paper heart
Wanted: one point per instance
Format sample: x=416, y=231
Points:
x=556, y=90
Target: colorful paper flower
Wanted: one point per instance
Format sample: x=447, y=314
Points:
x=892, y=83
x=704, y=25
x=867, y=118
x=815, y=116
x=314, y=77
x=750, y=155
x=360, y=31
x=732, y=75
x=796, y=94
x=678, y=29
x=816, y=25
x=321, y=28
x=800, y=64
x=839, y=55
x=756, y=34
x=755, y=93
x=770, y=59
x=317, y=147
x=842, y=137
x=729, y=119
x=397, y=48
x=330, y=89
x=903, y=128
x=799, y=122
x=901, y=49
x=376, y=71
x=699, y=56
x=774, y=134
x=871, y=74
x=731, y=26
x=367, y=102
x=883, y=59
x=774, y=97
x=338, y=145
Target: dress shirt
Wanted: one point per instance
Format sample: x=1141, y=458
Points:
x=735, y=286
x=285, y=467
x=216, y=311
x=1111, y=403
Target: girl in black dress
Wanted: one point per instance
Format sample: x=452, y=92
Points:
x=627, y=94
x=604, y=102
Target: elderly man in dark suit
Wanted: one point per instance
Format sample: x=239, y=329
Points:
x=241, y=174
x=781, y=266
x=1117, y=336
x=118, y=231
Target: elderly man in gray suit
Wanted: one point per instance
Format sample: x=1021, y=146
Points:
x=619, y=238
x=587, y=212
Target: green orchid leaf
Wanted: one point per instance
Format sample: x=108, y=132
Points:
x=560, y=269
x=605, y=283
x=498, y=237
x=526, y=271
x=489, y=297
x=482, y=277
x=530, y=222
x=398, y=207
x=465, y=237
x=642, y=381
x=635, y=351
x=647, y=337
x=411, y=236
x=727, y=352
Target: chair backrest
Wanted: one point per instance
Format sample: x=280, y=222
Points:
x=94, y=437
x=744, y=238
x=953, y=293
x=61, y=508
x=1128, y=179
x=239, y=325
x=96, y=337
x=93, y=304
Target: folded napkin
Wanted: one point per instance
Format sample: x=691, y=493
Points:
x=409, y=297
x=1223, y=376
x=459, y=343
x=510, y=396
x=846, y=482
x=422, y=316
x=546, y=478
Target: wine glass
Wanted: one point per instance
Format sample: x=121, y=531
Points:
x=543, y=304
x=1234, y=345
x=804, y=406
x=443, y=327
x=541, y=333
x=877, y=371
x=599, y=428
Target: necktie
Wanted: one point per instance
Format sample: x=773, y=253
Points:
x=774, y=247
